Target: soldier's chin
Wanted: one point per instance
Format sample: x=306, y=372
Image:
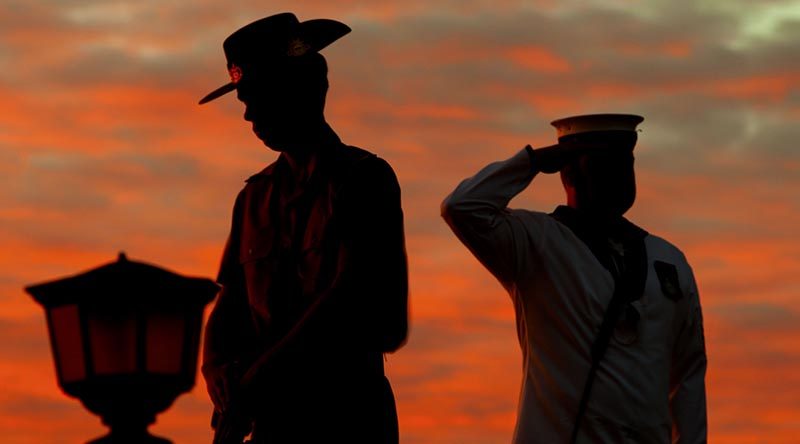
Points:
x=274, y=141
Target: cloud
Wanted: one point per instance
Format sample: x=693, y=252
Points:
x=102, y=148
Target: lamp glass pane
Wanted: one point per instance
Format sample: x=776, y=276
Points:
x=165, y=342
x=67, y=342
x=112, y=335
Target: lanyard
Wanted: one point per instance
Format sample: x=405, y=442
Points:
x=629, y=272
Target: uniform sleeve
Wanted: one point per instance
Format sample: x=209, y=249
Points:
x=226, y=333
x=374, y=267
x=687, y=391
x=477, y=213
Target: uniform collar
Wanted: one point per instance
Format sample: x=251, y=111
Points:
x=329, y=140
x=621, y=229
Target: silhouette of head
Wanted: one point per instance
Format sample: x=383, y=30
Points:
x=278, y=73
x=600, y=180
x=285, y=103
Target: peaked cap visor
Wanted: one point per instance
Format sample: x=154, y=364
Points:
x=596, y=130
x=314, y=35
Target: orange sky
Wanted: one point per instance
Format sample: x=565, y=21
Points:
x=103, y=148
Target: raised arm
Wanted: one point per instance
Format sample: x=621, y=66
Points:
x=477, y=213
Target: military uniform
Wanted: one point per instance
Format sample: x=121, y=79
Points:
x=649, y=387
x=314, y=273
x=334, y=249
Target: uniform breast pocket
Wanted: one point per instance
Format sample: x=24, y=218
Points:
x=260, y=268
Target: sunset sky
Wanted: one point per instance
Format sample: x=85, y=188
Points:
x=103, y=148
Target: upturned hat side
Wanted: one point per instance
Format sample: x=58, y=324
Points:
x=274, y=40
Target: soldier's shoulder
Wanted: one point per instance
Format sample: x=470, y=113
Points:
x=360, y=162
x=264, y=173
x=663, y=249
x=349, y=154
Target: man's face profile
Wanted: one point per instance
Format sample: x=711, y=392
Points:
x=267, y=104
x=281, y=102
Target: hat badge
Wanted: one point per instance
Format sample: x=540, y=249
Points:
x=235, y=73
x=297, y=47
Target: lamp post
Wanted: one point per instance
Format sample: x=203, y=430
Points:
x=125, y=339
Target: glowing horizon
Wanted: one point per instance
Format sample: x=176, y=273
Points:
x=104, y=149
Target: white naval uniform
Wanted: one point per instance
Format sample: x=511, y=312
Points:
x=651, y=391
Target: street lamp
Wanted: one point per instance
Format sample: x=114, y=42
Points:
x=125, y=339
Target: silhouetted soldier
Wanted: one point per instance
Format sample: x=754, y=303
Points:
x=608, y=316
x=314, y=271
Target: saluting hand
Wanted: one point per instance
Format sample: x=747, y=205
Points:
x=552, y=159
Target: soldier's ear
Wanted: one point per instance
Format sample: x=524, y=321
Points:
x=568, y=174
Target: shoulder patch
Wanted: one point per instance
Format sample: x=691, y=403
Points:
x=668, y=279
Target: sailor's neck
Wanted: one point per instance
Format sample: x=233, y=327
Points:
x=598, y=219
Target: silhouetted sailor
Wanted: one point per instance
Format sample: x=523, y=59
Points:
x=608, y=316
x=314, y=273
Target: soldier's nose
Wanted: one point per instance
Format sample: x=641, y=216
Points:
x=248, y=114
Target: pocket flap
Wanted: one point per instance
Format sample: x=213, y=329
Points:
x=255, y=247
